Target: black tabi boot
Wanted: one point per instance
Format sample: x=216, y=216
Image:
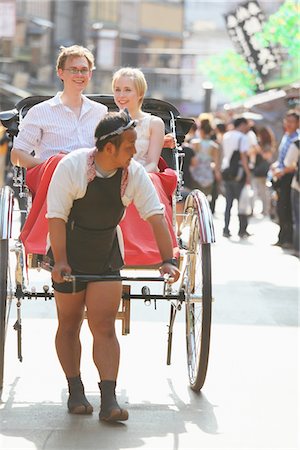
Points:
x=77, y=402
x=110, y=410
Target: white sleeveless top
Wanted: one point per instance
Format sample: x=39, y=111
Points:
x=142, y=143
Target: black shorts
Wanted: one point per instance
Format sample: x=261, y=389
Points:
x=67, y=287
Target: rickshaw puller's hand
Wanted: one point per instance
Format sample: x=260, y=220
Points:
x=170, y=269
x=59, y=270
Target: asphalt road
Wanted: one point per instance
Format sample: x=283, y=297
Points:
x=250, y=399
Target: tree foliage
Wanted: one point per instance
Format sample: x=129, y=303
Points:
x=230, y=73
x=229, y=70
x=283, y=28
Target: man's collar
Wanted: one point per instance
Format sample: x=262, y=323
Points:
x=56, y=101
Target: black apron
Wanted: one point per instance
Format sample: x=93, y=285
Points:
x=92, y=243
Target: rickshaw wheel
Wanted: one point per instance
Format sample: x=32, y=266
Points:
x=4, y=261
x=6, y=209
x=197, y=282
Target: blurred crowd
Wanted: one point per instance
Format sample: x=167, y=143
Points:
x=241, y=160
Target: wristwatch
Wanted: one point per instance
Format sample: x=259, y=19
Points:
x=172, y=261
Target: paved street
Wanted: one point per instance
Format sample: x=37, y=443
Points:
x=250, y=399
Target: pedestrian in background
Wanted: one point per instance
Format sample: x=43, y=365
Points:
x=292, y=160
x=264, y=156
x=205, y=167
x=219, y=131
x=282, y=177
x=187, y=187
x=236, y=140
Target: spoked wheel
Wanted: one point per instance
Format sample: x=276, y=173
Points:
x=6, y=203
x=198, y=290
x=4, y=285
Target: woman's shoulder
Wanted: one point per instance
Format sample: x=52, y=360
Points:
x=157, y=124
x=150, y=119
x=155, y=119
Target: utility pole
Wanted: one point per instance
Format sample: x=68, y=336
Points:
x=79, y=22
x=52, y=53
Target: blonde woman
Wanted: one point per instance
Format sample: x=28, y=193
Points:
x=129, y=88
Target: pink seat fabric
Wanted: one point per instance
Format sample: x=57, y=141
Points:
x=139, y=242
x=35, y=230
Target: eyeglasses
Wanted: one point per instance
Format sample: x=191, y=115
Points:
x=75, y=71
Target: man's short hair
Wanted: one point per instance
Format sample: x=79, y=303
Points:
x=111, y=127
x=74, y=51
x=240, y=121
x=293, y=113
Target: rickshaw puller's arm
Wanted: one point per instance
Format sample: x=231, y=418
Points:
x=164, y=243
x=57, y=231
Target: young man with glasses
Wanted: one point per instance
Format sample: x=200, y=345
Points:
x=51, y=129
x=87, y=197
x=65, y=122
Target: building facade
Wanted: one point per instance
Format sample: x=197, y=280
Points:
x=120, y=33
x=167, y=39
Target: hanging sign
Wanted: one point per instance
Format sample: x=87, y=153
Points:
x=243, y=24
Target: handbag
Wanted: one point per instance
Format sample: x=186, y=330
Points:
x=245, y=204
x=235, y=170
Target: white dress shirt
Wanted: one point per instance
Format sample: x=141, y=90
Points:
x=51, y=127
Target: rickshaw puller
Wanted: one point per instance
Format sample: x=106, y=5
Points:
x=87, y=196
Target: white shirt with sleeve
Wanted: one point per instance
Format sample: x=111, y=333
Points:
x=51, y=127
x=291, y=160
x=233, y=140
x=70, y=180
x=252, y=138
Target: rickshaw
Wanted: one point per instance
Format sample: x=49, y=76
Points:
x=191, y=294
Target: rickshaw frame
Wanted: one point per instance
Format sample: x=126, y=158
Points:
x=195, y=284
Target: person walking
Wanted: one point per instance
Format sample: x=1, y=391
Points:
x=235, y=145
x=205, y=167
x=219, y=131
x=263, y=158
